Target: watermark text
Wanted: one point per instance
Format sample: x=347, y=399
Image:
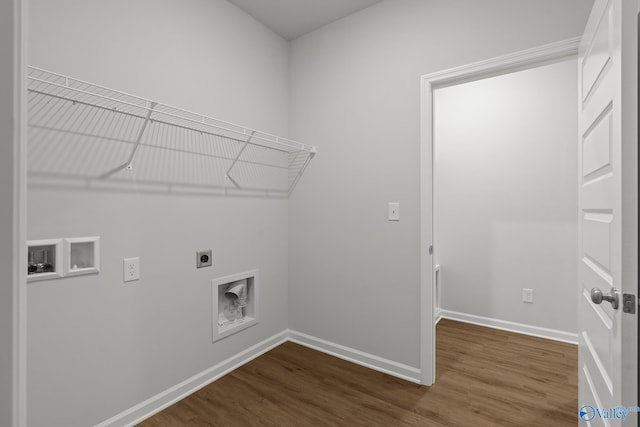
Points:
x=588, y=412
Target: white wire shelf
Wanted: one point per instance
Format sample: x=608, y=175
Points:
x=81, y=130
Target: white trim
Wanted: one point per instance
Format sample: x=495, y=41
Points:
x=519, y=328
x=506, y=63
x=427, y=288
x=19, y=345
x=438, y=316
x=475, y=71
x=163, y=400
x=358, y=357
x=160, y=401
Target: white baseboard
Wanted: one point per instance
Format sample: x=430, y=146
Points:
x=371, y=361
x=438, y=315
x=172, y=395
x=160, y=401
x=504, y=325
x=157, y=403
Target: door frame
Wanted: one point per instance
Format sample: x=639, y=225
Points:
x=14, y=277
x=517, y=61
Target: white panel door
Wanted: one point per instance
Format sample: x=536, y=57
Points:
x=605, y=364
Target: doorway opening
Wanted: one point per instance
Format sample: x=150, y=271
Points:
x=432, y=86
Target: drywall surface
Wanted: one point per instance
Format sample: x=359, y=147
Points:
x=354, y=276
x=98, y=346
x=7, y=210
x=505, y=199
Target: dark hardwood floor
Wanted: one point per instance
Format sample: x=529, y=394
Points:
x=485, y=377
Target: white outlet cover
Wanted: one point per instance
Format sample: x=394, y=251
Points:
x=131, y=269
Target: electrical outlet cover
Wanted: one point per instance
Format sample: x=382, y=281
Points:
x=204, y=258
x=131, y=269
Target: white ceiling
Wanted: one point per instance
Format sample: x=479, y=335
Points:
x=293, y=18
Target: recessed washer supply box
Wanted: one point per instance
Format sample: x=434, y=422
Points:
x=56, y=258
x=82, y=256
x=44, y=259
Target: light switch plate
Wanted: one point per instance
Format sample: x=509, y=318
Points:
x=394, y=211
x=131, y=269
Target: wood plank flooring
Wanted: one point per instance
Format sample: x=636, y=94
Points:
x=485, y=377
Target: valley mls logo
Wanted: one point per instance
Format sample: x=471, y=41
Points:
x=588, y=412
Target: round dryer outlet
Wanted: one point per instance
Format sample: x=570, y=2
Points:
x=204, y=258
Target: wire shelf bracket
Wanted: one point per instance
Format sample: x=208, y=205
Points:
x=128, y=164
x=244, y=147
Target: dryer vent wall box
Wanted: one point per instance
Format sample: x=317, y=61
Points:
x=235, y=303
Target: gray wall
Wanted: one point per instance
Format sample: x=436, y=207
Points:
x=505, y=199
x=354, y=276
x=96, y=345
